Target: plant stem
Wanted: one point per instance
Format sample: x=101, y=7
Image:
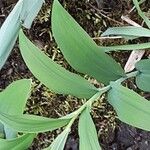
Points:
x=75, y=114
x=89, y=102
x=68, y=127
x=129, y=75
x=103, y=90
x=92, y=99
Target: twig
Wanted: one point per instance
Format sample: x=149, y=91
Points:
x=105, y=16
x=129, y=21
x=2, y=16
x=107, y=37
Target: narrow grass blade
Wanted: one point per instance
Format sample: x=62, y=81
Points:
x=127, y=31
x=126, y=47
x=146, y=19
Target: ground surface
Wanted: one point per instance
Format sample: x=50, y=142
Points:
x=113, y=134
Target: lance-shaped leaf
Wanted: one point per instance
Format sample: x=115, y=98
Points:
x=13, y=100
x=131, y=108
x=146, y=19
x=20, y=143
x=52, y=75
x=59, y=142
x=143, y=78
x=32, y=123
x=24, y=12
x=87, y=132
x=9, y=32
x=14, y=97
x=30, y=10
x=80, y=50
x=130, y=31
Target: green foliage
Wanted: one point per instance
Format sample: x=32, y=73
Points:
x=53, y=75
x=32, y=123
x=86, y=57
x=20, y=143
x=143, y=78
x=80, y=50
x=128, y=31
x=12, y=102
x=131, y=108
x=126, y=47
x=60, y=141
x=5, y=30
x=30, y=9
x=146, y=19
x=23, y=14
x=87, y=132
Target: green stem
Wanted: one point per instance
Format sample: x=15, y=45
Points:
x=68, y=127
x=129, y=75
x=75, y=114
x=92, y=99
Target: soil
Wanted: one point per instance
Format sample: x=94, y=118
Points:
x=113, y=134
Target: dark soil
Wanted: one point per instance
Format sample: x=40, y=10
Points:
x=113, y=134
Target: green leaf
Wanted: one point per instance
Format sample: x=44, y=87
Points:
x=80, y=50
x=143, y=78
x=60, y=141
x=146, y=19
x=20, y=143
x=24, y=12
x=32, y=123
x=30, y=10
x=13, y=100
x=131, y=108
x=87, y=132
x=126, y=47
x=2, y=132
x=128, y=31
x=9, y=132
x=9, y=31
x=52, y=75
